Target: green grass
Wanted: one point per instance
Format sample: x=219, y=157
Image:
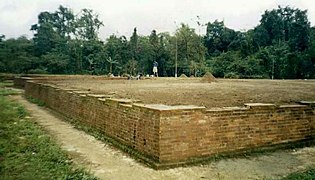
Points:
x=35, y=101
x=305, y=175
x=6, y=84
x=5, y=92
x=26, y=152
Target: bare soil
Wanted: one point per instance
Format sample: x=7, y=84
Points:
x=108, y=163
x=193, y=91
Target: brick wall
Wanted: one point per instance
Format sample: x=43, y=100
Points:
x=202, y=133
x=131, y=125
x=177, y=134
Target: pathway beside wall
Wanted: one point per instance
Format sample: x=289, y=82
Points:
x=108, y=163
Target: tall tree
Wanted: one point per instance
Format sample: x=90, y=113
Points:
x=2, y=37
x=88, y=25
x=284, y=24
x=155, y=46
x=191, y=51
x=64, y=22
x=45, y=37
x=16, y=55
x=134, y=44
x=218, y=37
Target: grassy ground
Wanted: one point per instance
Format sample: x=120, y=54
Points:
x=306, y=175
x=26, y=152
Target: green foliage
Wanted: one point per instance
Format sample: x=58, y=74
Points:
x=88, y=25
x=28, y=153
x=38, y=71
x=285, y=24
x=281, y=46
x=56, y=63
x=305, y=175
x=190, y=51
x=232, y=65
x=36, y=101
x=218, y=38
x=6, y=92
x=277, y=48
x=5, y=83
x=15, y=55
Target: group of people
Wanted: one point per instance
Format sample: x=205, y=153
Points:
x=155, y=70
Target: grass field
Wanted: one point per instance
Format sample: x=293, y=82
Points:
x=26, y=152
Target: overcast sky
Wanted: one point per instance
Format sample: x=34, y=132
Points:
x=121, y=16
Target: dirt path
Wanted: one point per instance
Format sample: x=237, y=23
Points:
x=107, y=163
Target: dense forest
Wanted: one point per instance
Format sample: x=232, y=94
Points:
x=281, y=46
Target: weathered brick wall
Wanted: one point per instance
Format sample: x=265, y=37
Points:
x=19, y=82
x=131, y=125
x=200, y=133
x=177, y=134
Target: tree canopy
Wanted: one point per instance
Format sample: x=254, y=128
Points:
x=281, y=46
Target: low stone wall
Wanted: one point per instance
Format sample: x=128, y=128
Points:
x=178, y=134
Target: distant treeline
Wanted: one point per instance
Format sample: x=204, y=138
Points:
x=281, y=46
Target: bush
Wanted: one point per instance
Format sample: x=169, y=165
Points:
x=37, y=71
x=231, y=75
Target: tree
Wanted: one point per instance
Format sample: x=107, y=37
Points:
x=111, y=63
x=64, y=22
x=165, y=67
x=134, y=44
x=88, y=25
x=2, y=37
x=56, y=63
x=300, y=31
x=45, y=37
x=191, y=51
x=131, y=67
x=93, y=51
x=275, y=60
x=16, y=55
x=308, y=64
x=284, y=24
x=118, y=49
x=283, y=37
x=280, y=46
x=155, y=46
x=75, y=52
x=232, y=65
x=218, y=37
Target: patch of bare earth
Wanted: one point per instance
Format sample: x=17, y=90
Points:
x=193, y=91
x=108, y=163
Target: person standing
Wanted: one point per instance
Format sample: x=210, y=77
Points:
x=155, y=69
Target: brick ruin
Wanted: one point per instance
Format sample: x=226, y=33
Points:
x=174, y=135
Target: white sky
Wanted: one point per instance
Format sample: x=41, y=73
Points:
x=121, y=16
